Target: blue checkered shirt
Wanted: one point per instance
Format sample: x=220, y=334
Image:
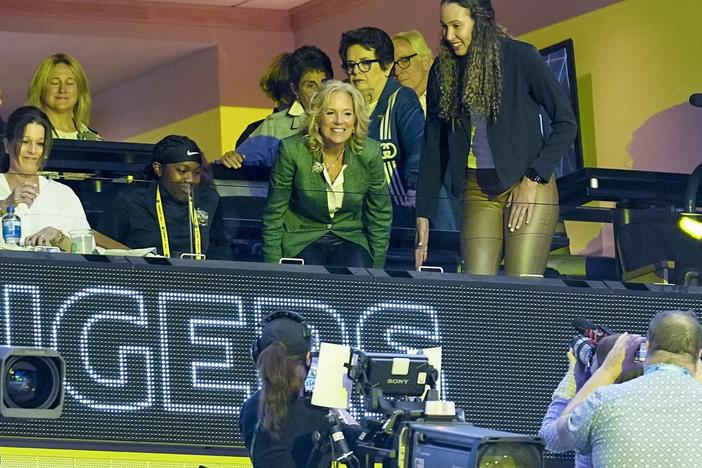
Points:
x=652, y=421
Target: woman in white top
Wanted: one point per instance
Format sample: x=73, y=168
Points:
x=60, y=88
x=48, y=209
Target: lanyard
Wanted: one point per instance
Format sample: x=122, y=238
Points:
x=666, y=367
x=164, y=230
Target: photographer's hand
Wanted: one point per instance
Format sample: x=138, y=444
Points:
x=607, y=374
x=567, y=386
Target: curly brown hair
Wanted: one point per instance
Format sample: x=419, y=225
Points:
x=478, y=86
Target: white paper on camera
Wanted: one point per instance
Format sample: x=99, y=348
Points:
x=329, y=389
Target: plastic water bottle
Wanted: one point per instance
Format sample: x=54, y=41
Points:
x=11, y=227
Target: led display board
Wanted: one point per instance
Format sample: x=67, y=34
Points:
x=160, y=353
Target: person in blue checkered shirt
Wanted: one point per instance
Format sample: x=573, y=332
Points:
x=654, y=420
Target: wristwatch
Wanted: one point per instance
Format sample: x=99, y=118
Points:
x=56, y=241
x=531, y=174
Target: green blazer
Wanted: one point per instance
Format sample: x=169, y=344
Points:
x=297, y=212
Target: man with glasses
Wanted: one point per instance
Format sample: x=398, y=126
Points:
x=413, y=59
x=396, y=117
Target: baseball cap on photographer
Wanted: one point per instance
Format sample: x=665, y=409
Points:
x=175, y=149
x=286, y=327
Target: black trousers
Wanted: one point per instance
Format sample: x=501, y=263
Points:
x=332, y=250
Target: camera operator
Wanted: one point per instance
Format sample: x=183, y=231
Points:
x=278, y=423
x=576, y=376
x=653, y=420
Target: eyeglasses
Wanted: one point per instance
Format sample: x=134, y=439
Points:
x=363, y=66
x=404, y=62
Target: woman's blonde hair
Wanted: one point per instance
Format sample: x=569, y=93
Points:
x=37, y=88
x=319, y=102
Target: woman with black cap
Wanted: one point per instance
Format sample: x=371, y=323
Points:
x=277, y=422
x=177, y=214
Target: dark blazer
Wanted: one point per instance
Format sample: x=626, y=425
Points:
x=132, y=220
x=401, y=138
x=515, y=139
x=297, y=212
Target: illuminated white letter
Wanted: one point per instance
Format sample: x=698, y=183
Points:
x=128, y=307
x=33, y=292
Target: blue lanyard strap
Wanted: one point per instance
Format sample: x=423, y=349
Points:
x=662, y=367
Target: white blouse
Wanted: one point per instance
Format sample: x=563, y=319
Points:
x=56, y=206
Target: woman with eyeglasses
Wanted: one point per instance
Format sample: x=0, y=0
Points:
x=396, y=117
x=483, y=126
x=60, y=88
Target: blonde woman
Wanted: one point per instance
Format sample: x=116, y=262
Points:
x=60, y=88
x=328, y=201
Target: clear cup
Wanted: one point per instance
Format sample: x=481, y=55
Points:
x=82, y=241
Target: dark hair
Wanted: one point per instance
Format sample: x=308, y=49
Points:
x=369, y=38
x=14, y=132
x=308, y=58
x=275, y=80
x=478, y=86
x=282, y=379
x=676, y=332
x=604, y=346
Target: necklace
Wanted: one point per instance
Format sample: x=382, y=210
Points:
x=331, y=162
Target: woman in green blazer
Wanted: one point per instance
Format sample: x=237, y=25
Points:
x=328, y=201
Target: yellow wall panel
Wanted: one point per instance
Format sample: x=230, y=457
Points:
x=635, y=59
x=234, y=120
x=204, y=128
x=215, y=130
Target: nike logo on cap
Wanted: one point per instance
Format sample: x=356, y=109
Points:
x=191, y=153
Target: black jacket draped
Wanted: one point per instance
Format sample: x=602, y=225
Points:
x=515, y=138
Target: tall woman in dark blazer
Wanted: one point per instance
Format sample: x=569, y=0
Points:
x=328, y=201
x=483, y=126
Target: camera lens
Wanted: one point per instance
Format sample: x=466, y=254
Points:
x=582, y=349
x=31, y=382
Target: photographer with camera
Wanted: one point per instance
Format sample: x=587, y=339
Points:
x=584, y=357
x=279, y=425
x=653, y=420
